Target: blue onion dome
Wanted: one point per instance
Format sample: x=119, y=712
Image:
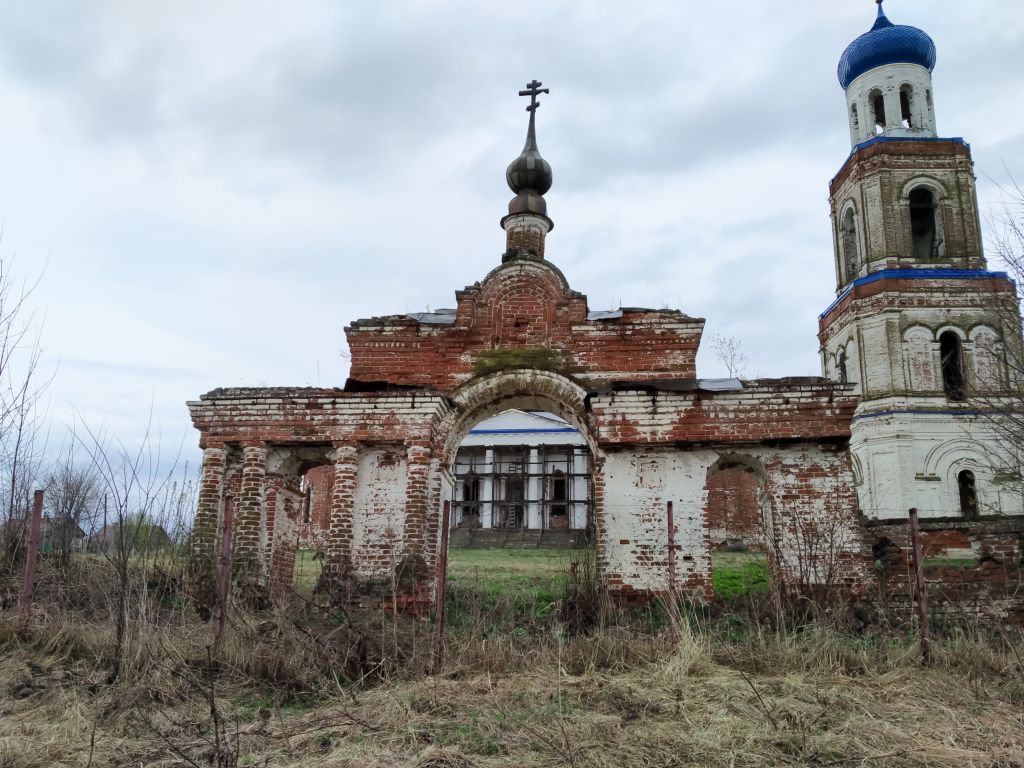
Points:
x=886, y=43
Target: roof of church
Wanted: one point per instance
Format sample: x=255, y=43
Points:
x=885, y=43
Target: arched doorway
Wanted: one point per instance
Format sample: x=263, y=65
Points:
x=519, y=465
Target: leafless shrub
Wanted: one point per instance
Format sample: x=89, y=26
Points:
x=22, y=434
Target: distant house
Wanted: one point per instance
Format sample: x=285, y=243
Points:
x=141, y=536
x=54, y=533
x=60, y=533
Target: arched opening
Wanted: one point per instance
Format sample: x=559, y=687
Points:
x=855, y=119
x=951, y=357
x=924, y=232
x=968, y=491
x=738, y=522
x=906, y=104
x=851, y=248
x=877, y=101
x=844, y=376
x=519, y=456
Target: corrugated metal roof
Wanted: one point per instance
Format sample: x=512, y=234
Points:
x=437, y=317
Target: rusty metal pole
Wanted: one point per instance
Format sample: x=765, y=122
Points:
x=921, y=592
x=441, y=587
x=30, y=558
x=220, y=608
x=673, y=600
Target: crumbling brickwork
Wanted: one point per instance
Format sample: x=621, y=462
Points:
x=382, y=452
x=972, y=567
x=523, y=315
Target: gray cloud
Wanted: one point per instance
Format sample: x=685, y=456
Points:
x=219, y=188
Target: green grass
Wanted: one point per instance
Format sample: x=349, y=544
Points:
x=307, y=571
x=527, y=583
x=735, y=574
x=534, y=577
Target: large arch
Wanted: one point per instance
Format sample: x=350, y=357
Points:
x=527, y=389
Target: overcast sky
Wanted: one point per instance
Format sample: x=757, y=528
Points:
x=216, y=188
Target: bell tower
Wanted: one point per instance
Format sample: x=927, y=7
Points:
x=920, y=327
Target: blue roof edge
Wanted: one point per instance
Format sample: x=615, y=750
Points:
x=913, y=274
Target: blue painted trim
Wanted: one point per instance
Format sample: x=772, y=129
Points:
x=916, y=412
x=914, y=274
x=560, y=430
x=883, y=139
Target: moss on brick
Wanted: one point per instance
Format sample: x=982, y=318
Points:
x=535, y=358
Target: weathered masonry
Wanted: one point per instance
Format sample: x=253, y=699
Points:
x=794, y=467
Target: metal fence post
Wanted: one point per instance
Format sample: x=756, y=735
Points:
x=220, y=608
x=441, y=587
x=30, y=558
x=921, y=591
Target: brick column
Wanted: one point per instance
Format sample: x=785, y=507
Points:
x=338, y=562
x=202, y=578
x=249, y=555
x=416, y=493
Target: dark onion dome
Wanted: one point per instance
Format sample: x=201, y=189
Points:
x=529, y=171
x=886, y=43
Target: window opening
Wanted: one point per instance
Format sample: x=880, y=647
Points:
x=968, y=488
x=850, y=245
x=878, y=107
x=855, y=117
x=905, y=102
x=922, y=223
x=951, y=352
x=841, y=365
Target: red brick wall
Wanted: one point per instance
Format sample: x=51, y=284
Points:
x=976, y=566
x=733, y=514
x=527, y=306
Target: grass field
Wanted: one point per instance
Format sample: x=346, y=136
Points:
x=536, y=575
x=301, y=683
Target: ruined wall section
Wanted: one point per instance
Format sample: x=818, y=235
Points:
x=972, y=567
x=776, y=410
x=375, y=447
x=662, y=445
x=523, y=315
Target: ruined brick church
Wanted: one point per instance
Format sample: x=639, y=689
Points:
x=831, y=464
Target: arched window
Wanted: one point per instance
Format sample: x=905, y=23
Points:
x=851, y=251
x=968, y=493
x=922, y=223
x=952, y=357
x=844, y=376
x=906, y=100
x=558, y=493
x=855, y=118
x=878, y=110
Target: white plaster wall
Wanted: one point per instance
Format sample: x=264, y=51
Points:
x=912, y=460
x=889, y=79
x=379, y=506
x=638, y=483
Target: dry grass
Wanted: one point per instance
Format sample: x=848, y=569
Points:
x=286, y=694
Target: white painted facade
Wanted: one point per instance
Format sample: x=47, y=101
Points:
x=522, y=469
x=918, y=442
x=907, y=103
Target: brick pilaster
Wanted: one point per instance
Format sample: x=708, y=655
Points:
x=202, y=577
x=339, y=535
x=416, y=494
x=249, y=549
